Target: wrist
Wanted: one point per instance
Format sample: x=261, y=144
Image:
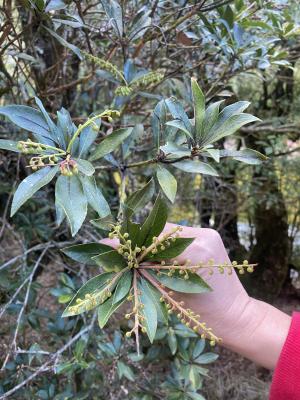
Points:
x=259, y=333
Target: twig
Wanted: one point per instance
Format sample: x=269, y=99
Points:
x=14, y=342
x=53, y=358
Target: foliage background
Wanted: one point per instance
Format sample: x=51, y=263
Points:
x=237, y=50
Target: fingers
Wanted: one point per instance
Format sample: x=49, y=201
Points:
x=110, y=242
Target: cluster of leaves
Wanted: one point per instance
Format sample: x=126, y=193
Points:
x=65, y=148
x=62, y=148
x=139, y=270
x=137, y=45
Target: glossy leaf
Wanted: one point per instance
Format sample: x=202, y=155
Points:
x=210, y=118
x=83, y=253
x=149, y=312
x=30, y=119
x=122, y=288
x=125, y=370
x=195, y=284
x=199, y=108
x=86, y=139
x=9, y=145
x=172, y=150
x=114, y=13
x=247, y=156
x=154, y=223
x=85, y=167
x=176, y=123
x=110, y=261
x=110, y=143
x=206, y=358
x=106, y=310
x=94, y=196
x=63, y=42
x=94, y=287
x=196, y=167
x=230, y=126
x=158, y=120
x=71, y=198
x=151, y=292
x=175, y=248
x=30, y=185
x=214, y=154
x=167, y=182
x=139, y=199
x=56, y=134
x=104, y=223
x=177, y=111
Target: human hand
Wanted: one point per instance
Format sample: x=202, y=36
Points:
x=250, y=327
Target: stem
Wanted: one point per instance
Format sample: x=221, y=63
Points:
x=87, y=123
x=154, y=245
x=194, y=267
x=136, y=316
x=177, y=306
x=141, y=163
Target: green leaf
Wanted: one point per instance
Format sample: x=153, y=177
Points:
x=214, y=153
x=123, y=287
x=106, y=310
x=247, y=156
x=9, y=145
x=229, y=111
x=196, y=167
x=94, y=196
x=180, y=125
x=194, y=376
x=229, y=16
x=139, y=199
x=83, y=253
x=199, y=347
x=172, y=150
x=206, y=358
x=125, y=370
x=177, y=111
x=230, y=126
x=114, y=13
x=32, y=184
x=195, y=396
x=154, y=295
x=30, y=119
x=199, y=108
x=195, y=284
x=148, y=312
x=85, y=167
x=158, y=120
x=55, y=5
x=172, y=341
x=175, y=248
x=210, y=118
x=110, y=261
x=71, y=198
x=140, y=23
x=94, y=287
x=154, y=223
x=60, y=214
x=104, y=223
x=110, y=143
x=63, y=42
x=134, y=232
x=167, y=182
x=56, y=134
x=87, y=138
